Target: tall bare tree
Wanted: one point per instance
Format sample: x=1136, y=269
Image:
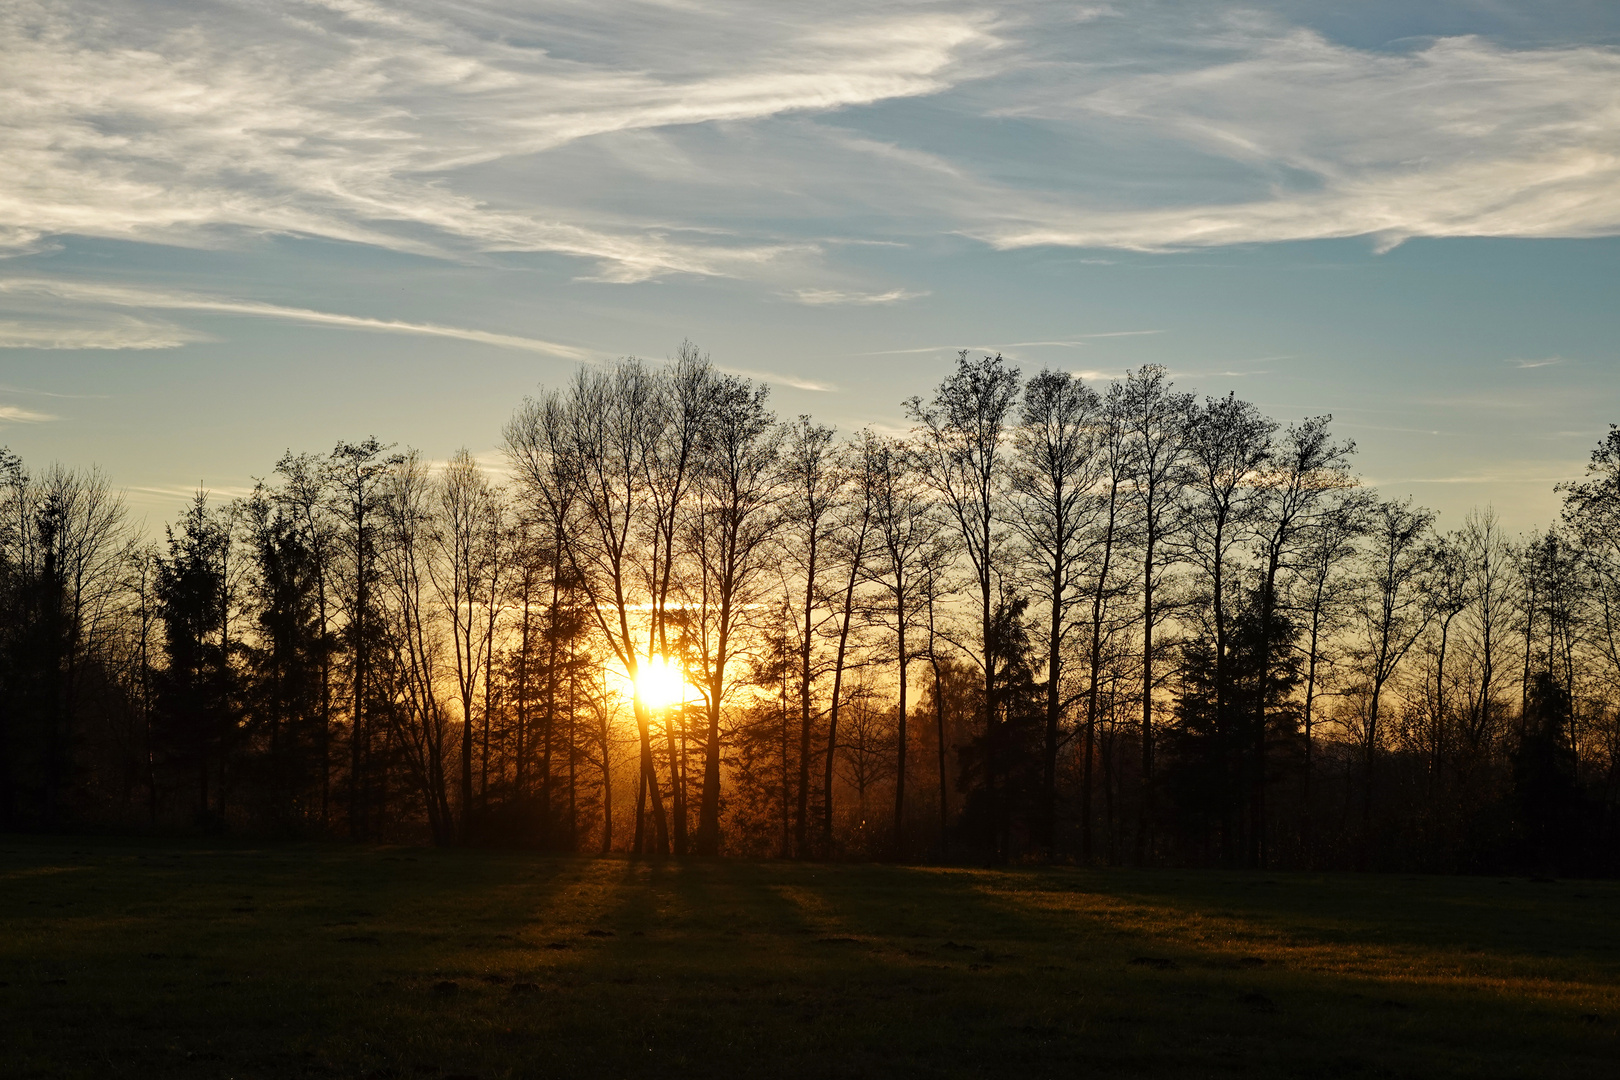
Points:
x=1229, y=448
x=961, y=448
x=612, y=421
x=539, y=444
x=410, y=551
x=904, y=521
x=358, y=472
x=1446, y=593
x=305, y=498
x=687, y=395
x=730, y=541
x=464, y=571
x=1058, y=463
x=1486, y=620
x=1298, y=497
x=812, y=484
x=852, y=542
x=1392, y=615
x=1321, y=598
x=1155, y=419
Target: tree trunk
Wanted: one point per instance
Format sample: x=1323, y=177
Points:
x=802, y=822
x=1054, y=667
x=944, y=787
x=900, y=745
x=1144, y=807
x=832, y=710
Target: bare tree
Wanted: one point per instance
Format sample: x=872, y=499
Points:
x=937, y=588
x=1058, y=463
x=1591, y=515
x=1229, y=450
x=304, y=496
x=906, y=528
x=1298, y=498
x=852, y=542
x=538, y=443
x=612, y=421
x=1155, y=421
x=961, y=437
x=867, y=752
x=729, y=541
x=1592, y=506
x=812, y=484
x=1486, y=619
x=357, y=472
x=1392, y=614
x=411, y=554
x=1106, y=586
x=1447, y=596
x=465, y=574
x=687, y=394
x=1321, y=597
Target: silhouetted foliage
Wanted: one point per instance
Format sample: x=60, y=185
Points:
x=1053, y=623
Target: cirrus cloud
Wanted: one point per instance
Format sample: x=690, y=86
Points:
x=124, y=296
x=352, y=120
x=754, y=141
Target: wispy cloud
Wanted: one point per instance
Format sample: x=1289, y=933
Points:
x=1545, y=361
x=1079, y=340
x=736, y=138
x=911, y=352
x=358, y=121
x=122, y=296
x=798, y=382
x=16, y=414
x=116, y=333
x=6, y=388
x=838, y=296
x=1461, y=138
x=1068, y=341
x=186, y=492
x=1480, y=478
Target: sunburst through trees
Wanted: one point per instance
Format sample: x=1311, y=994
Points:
x=1108, y=623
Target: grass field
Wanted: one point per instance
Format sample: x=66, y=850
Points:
x=175, y=959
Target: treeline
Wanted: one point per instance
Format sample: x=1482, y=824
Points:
x=1110, y=625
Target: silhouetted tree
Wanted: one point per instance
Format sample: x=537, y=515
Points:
x=286, y=661
x=905, y=527
x=853, y=542
x=357, y=472
x=1155, y=419
x=961, y=437
x=1060, y=458
x=812, y=484
x=195, y=691
x=738, y=518
x=1391, y=616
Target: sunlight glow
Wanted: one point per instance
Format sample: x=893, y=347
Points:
x=660, y=683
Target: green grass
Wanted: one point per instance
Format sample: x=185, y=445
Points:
x=181, y=960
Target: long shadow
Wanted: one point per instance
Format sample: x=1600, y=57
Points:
x=173, y=958
x=1506, y=916
x=294, y=960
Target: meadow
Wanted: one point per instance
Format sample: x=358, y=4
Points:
x=185, y=959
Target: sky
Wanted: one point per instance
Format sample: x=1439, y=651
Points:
x=229, y=229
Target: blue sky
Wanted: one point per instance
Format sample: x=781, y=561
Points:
x=227, y=229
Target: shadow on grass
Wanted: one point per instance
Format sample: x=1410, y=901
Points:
x=184, y=960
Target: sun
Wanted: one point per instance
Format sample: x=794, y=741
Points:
x=659, y=683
